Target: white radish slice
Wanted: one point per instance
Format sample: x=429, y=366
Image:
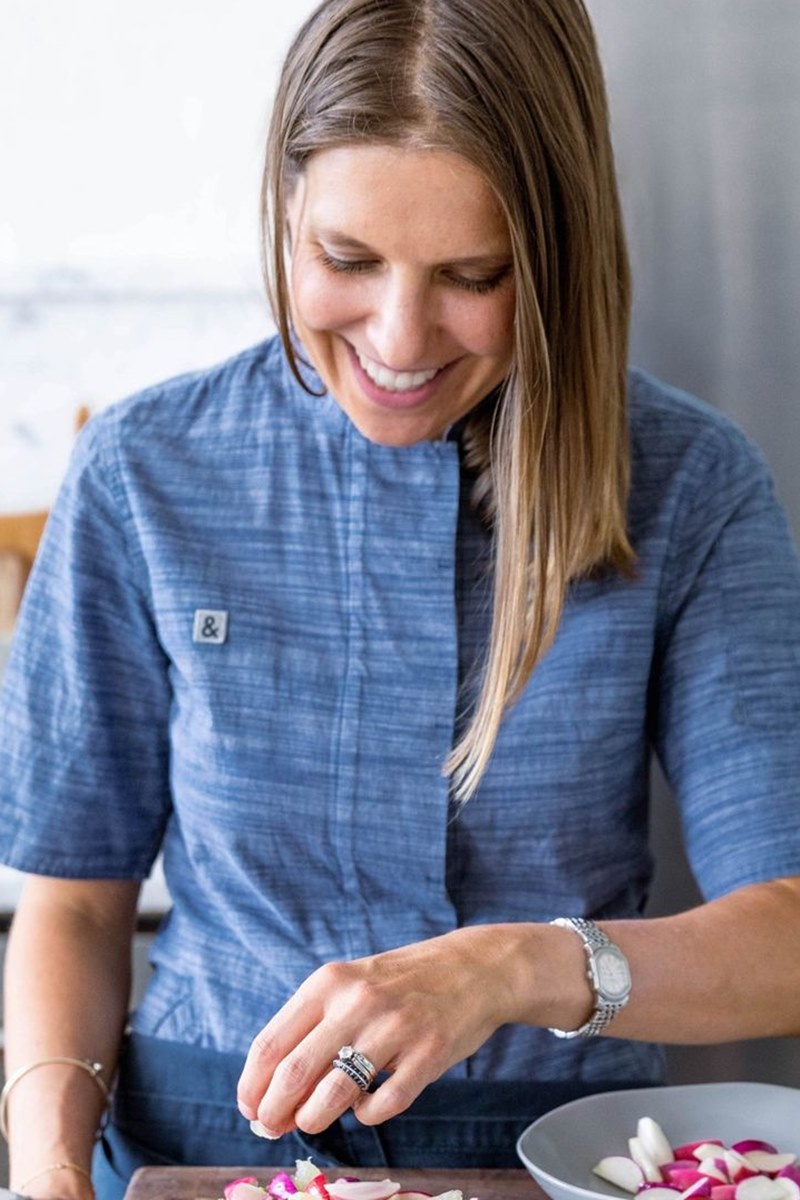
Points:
x=708, y=1150
x=644, y=1159
x=758, y=1187
x=754, y=1144
x=769, y=1164
x=621, y=1171
x=304, y=1171
x=714, y=1168
x=246, y=1191
x=413, y=1195
x=658, y=1191
x=654, y=1140
x=790, y=1186
x=452, y=1194
x=362, y=1189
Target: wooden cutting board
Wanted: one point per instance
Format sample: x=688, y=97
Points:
x=206, y=1183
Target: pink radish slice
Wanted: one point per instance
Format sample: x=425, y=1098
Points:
x=281, y=1186
x=251, y=1179
x=700, y=1188
x=687, y=1178
x=363, y=1189
x=621, y=1171
x=769, y=1164
x=245, y=1191
x=679, y=1164
x=413, y=1196
x=723, y=1191
x=754, y=1144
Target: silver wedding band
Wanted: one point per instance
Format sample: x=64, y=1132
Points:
x=356, y=1066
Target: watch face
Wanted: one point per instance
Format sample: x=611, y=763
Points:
x=613, y=974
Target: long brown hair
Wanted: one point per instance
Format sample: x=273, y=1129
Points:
x=516, y=88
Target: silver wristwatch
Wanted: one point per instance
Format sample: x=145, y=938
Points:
x=607, y=971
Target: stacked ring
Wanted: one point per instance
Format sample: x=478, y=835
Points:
x=356, y=1066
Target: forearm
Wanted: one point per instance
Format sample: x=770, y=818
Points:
x=66, y=994
x=727, y=970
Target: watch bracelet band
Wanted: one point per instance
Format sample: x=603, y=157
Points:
x=592, y=938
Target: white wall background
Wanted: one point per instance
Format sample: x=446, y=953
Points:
x=131, y=143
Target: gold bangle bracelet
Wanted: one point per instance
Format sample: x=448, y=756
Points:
x=92, y=1068
x=60, y=1166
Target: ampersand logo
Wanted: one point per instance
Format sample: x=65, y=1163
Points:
x=210, y=626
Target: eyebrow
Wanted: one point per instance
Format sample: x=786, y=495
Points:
x=343, y=240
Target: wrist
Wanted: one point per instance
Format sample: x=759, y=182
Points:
x=548, y=985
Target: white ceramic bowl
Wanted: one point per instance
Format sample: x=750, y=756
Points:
x=561, y=1148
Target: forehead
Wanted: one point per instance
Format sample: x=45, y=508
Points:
x=395, y=198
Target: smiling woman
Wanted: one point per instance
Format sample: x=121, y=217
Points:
x=373, y=629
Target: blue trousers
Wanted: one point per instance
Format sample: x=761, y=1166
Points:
x=176, y=1104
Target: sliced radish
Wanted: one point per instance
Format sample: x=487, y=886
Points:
x=714, y=1168
x=759, y=1187
x=723, y=1191
x=413, y=1195
x=621, y=1171
x=644, y=1160
x=790, y=1172
x=245, y=1191
x=452, y=1194
x=679, y=1164
x=654, y=1140
x=363, y=1189
x=754, y=1144
x=304, y=1171
x=790, y=1186
x=658, y=1191
x=281, y=1186
x=737, y=1166
x=769, y=1164
x=700, y=1188
x=708, y=1150
x=687, y=1178
x=251, y=1179
x=688, y=1148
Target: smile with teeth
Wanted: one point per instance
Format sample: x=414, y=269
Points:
x=395, y=381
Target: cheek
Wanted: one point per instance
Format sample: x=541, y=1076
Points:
x=320, y=302
x=488, y=330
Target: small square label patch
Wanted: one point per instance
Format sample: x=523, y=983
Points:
x=210, y=626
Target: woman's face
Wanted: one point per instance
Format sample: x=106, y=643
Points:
x=402, y=286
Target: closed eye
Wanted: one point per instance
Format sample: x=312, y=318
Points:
x=358, y=266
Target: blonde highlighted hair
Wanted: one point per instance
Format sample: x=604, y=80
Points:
x=516, y=88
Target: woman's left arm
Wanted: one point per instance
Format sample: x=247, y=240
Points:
x=725, y=970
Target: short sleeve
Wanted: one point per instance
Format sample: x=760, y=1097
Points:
x=726, y=682
x=84, y=710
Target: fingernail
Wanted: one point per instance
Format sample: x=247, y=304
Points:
x=261, y=1131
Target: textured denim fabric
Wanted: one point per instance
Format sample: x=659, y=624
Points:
x=292, y=772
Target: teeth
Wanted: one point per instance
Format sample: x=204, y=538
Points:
x=396, y=381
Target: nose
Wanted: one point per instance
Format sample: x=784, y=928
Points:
x=402, y=324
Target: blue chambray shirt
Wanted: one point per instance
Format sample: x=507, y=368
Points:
x=292, y=773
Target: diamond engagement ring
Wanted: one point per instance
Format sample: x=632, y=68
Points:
x=356, y=1066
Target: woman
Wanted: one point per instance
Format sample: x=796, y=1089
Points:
x=372, y=629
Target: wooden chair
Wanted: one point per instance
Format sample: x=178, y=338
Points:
x=19, y=541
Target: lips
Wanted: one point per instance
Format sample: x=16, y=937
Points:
x=404, y=391
x=395, y=381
